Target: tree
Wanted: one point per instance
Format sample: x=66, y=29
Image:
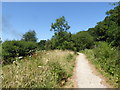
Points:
x=108, y=29
x=82, y=40
x=41, y=44
x=30, y=36
x=48, y=45
x=114, y=29
x=60, y=28
x=60, y=25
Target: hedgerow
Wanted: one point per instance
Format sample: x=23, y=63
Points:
x=12, y=49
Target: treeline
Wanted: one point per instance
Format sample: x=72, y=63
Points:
x=63, y=39
x=107, y=31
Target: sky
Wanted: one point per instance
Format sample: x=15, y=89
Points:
x=20, y=17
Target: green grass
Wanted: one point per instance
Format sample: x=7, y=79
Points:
x=45, y=69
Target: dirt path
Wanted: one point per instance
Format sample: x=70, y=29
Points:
x=85, y=78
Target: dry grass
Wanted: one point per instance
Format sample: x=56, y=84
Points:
x=45, y=69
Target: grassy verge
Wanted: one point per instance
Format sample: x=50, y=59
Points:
x=45, y=69
x=106, y=60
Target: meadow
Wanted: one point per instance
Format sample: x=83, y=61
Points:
x=45, y=69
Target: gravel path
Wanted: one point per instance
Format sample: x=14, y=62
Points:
x=84, y=76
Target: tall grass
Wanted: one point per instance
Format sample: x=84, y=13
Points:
x=106, y=60
x=45, y=69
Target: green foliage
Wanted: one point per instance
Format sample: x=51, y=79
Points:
x=60, y=25
x=41, y=44
x=61, y=39
x=107, y=60
x=59, y=71
x=12, y=49
x=108, y=29
x=106, y=56
x=60, y=42
x=114, y=36
x=49, y=45
x=29, y=36
x=69, y=57
x=83, y=40
x=69, y=45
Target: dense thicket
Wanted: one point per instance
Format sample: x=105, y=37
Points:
x=13, y=49
x=29, y=36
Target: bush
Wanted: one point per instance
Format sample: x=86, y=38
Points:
x=12, y=49
x=68, y=45
x=108, y=58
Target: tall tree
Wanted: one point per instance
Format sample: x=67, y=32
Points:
x=60, y=25
x=60, y=28
x=30, y=36
x=108, y=29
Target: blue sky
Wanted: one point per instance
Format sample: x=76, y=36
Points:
x=20, y=17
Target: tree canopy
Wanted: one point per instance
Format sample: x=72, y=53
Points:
x=109, y=29
x=60, y=25
x=30, y=36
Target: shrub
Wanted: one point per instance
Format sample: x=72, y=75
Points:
x=107, y=57
x=12, y=49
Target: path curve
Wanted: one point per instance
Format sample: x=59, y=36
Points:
x=85, y=78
